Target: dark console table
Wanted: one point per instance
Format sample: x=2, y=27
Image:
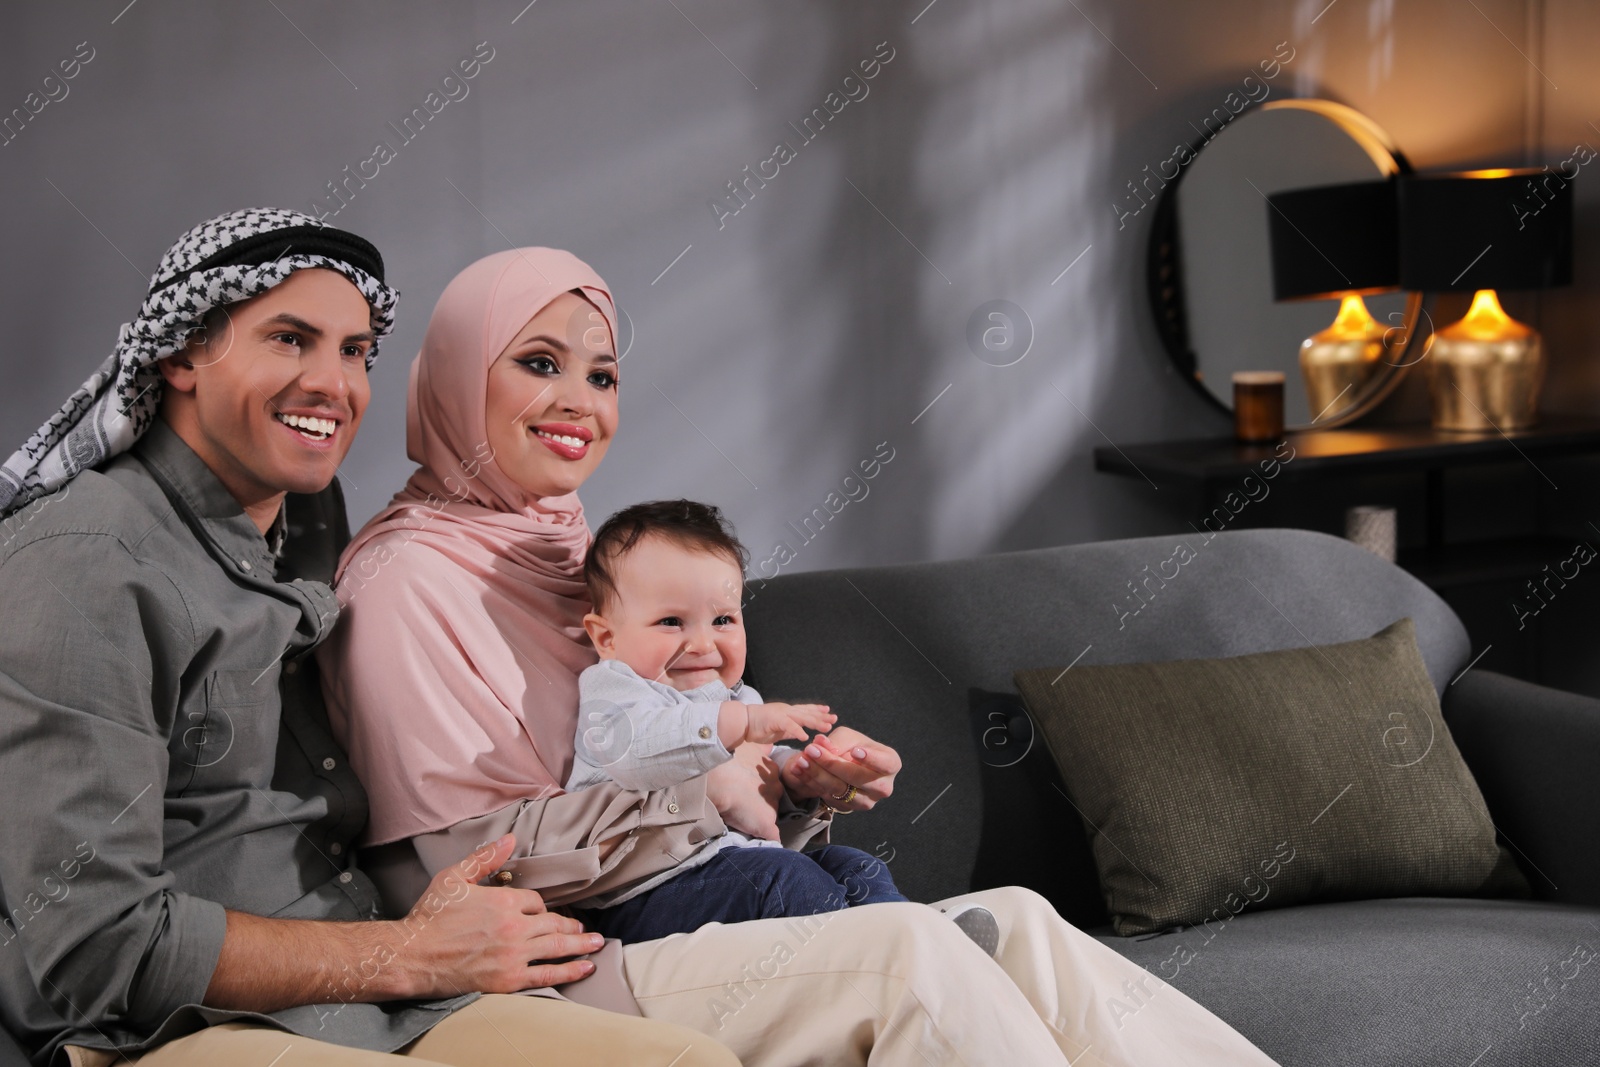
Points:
x=1213, y=467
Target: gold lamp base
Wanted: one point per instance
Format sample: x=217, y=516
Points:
x=1485, y=372
x=1339, y=361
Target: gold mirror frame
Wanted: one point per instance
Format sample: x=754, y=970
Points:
x=1165, y=274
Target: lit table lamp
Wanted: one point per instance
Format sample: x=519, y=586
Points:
x=1482, y=232
x=1336, y=242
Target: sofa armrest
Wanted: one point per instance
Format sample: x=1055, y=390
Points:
x=1535, y=752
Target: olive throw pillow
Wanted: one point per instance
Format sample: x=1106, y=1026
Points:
x=1212, y=786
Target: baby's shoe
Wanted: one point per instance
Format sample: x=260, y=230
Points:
x=978, y=923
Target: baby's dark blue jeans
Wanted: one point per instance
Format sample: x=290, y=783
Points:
x=739, y=884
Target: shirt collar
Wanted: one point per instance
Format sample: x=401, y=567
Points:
x=278, y=533
x=192, y=485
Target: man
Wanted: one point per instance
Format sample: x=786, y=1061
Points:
x=175, y=853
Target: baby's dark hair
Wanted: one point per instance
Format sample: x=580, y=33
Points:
x=687, y=523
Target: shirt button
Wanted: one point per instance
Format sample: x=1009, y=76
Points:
x=244, y=564
x=329, y=763
x=345, y=877
x=336, y=848
x=705, y=732
x=673, y=807
x=290, y=667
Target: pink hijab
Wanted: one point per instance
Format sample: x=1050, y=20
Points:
x=451, y=678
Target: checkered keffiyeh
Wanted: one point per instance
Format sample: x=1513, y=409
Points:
x=110, y=411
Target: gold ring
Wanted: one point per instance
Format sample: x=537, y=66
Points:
x=847, y=796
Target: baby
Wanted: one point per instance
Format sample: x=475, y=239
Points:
x=666, y=704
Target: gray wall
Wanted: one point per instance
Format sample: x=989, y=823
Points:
x=826, y=315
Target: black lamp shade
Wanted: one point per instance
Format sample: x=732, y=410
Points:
x=1330, y=240
x=1504, y=229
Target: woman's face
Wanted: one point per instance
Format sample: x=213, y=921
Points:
x=551, y=404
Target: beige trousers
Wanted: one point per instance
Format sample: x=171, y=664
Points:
x=495, y=1029
x=899, y=984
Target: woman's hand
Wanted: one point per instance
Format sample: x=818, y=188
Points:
x=745, y=792
x=831, y=764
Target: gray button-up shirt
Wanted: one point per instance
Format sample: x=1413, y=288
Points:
x=164, y=754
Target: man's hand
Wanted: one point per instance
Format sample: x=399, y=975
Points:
x=492, y=939
x=742, y=790
x=775, y=721
x=459, y=938
x=830, y=765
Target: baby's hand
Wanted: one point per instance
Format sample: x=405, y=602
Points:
x=745, y=791
x=779, y=722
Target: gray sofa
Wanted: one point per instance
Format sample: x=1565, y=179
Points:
x=921, y=656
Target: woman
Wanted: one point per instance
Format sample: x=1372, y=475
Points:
x=452, y=682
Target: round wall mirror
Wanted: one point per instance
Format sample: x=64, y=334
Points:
x=1210, y=266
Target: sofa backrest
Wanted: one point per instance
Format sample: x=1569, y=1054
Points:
x=906, y=653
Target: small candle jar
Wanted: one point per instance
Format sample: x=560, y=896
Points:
x=1374, y=528
x=1257, y=405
